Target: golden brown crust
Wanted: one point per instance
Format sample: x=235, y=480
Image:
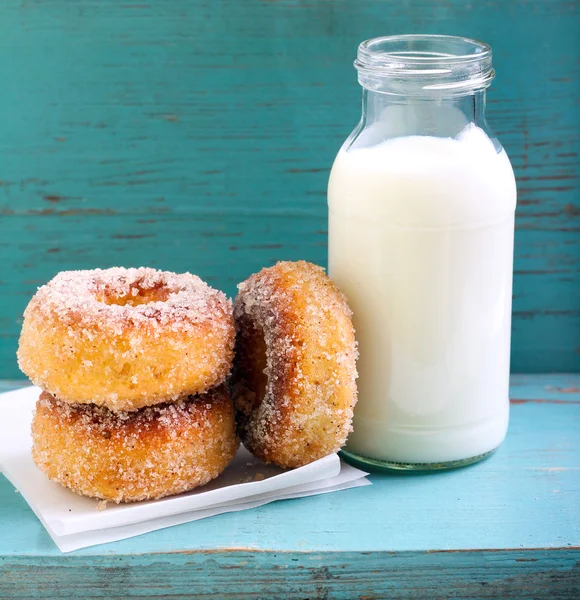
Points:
x=142, y=455
x=126, y=338
x=293, y=380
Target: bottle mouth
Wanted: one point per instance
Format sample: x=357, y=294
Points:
x=427, y=63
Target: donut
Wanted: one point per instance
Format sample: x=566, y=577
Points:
x=294, y=375
x=157, y=451
x=126, y=338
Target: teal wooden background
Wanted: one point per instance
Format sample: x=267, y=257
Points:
x=197, y=135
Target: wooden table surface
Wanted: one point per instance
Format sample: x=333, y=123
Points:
x=508, y=527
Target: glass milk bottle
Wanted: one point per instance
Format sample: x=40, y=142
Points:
x=421, y=225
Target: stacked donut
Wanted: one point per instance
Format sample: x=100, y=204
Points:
x=132, y=363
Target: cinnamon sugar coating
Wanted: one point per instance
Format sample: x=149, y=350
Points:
x=141, y=455
x=126, y=338
x=294, y=376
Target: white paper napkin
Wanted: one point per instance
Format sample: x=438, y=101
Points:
x=74, y=521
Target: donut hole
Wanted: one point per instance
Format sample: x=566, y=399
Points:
x=137, y=295
x=260, y=362
x=251, y=350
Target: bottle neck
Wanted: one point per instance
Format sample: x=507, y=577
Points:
x=437, y=115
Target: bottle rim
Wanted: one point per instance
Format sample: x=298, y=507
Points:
x=425, y=62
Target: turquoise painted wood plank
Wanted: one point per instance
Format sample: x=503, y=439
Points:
x=553, y=388
x=506, y=528
x=131, y=133
x=536, y=574
x=526, y=496
x=544, y=297
x=12, y=384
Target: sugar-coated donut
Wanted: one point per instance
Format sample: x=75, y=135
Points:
x=294, y=375
x=126, y=338
x=141, y=455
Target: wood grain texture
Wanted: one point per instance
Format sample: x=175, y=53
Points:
x=508, y=527
x=199, y=135
x=244, y=575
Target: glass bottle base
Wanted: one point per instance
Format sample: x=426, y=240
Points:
x=364, y=462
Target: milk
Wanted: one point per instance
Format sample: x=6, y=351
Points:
x=421, y=242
